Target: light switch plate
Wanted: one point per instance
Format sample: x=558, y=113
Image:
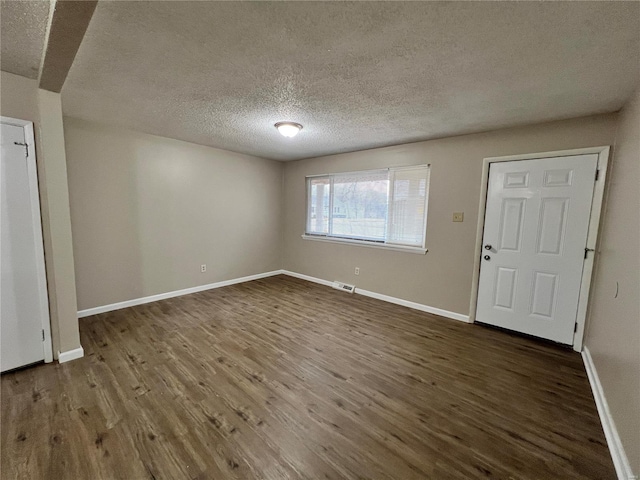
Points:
x=458, y=216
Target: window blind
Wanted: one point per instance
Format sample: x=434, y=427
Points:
x=408, y=205
x=383, y=206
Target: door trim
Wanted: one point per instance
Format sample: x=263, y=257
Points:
x=34, y=193
x=592, y=235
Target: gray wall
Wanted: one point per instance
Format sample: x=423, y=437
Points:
x=442, y=277
x=613, y=329
x=147, y=211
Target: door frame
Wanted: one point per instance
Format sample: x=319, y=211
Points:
x=34, y=194
x=592, y=235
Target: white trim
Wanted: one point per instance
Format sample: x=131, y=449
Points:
x=416, y=306
x=364, y=243
x=36, y=223
x=592, y=242
x=308, y=278
x=70, y=355
x=176, y=293
x=386, y=298
x=592, y=236
x=553, y=153
x=618, y=455
x=16, y=122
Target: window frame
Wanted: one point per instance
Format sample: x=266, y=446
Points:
x=345, y=240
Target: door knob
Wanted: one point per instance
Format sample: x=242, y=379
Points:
x=487, y=257
x=488, y=247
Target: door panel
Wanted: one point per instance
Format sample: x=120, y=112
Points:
x=505, y=288
x=511, y=223
x=21, y=340
x=535, y=233
x=552, y=225
x=543, y=294
x=516, y=179
x=557, y=178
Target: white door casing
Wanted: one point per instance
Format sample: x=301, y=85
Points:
x=24, y=314
x=536, y=221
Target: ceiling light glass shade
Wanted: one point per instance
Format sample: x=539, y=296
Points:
x=288, y=129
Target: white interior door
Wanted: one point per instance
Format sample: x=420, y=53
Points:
x=535, y=235
x=22, y=267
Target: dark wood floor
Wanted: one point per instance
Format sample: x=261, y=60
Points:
x=284, y=379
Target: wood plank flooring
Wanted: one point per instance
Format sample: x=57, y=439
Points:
x=284, y=379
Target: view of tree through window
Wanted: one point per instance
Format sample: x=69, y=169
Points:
x=385, y=206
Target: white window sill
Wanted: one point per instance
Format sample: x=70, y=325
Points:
x=362, y=243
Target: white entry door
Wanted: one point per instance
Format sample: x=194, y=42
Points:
x=22, y=311
x=535, y=235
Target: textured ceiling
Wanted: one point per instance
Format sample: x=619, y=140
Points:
x=23, y=25
x=356, y=75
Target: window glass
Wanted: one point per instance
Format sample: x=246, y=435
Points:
x=383, y=206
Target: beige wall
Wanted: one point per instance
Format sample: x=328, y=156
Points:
x=147, y=211
x=613, y=329
x=20, y=98
x=60, y=264
x=442, y=277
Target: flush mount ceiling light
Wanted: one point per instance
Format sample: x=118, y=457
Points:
x=288, y=129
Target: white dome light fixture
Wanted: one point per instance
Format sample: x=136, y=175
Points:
x=288, y=129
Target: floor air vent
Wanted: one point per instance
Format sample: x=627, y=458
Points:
x=344, y=287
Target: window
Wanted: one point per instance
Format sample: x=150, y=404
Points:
x=384, y=207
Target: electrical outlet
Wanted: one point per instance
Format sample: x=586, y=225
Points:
x=203, y=268
x=458, y=216
x=357, y=270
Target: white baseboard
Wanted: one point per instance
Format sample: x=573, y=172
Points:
x=176, y=293
x=308, y=278
x=414, y=305
x=618, y=455
x=70, y=355
x=387, y=298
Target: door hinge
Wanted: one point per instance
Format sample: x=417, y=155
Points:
x=25, y=145
x=43, y=334
x=597, y=174
x=575, y=327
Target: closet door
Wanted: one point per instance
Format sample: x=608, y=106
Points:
x=22, y=313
